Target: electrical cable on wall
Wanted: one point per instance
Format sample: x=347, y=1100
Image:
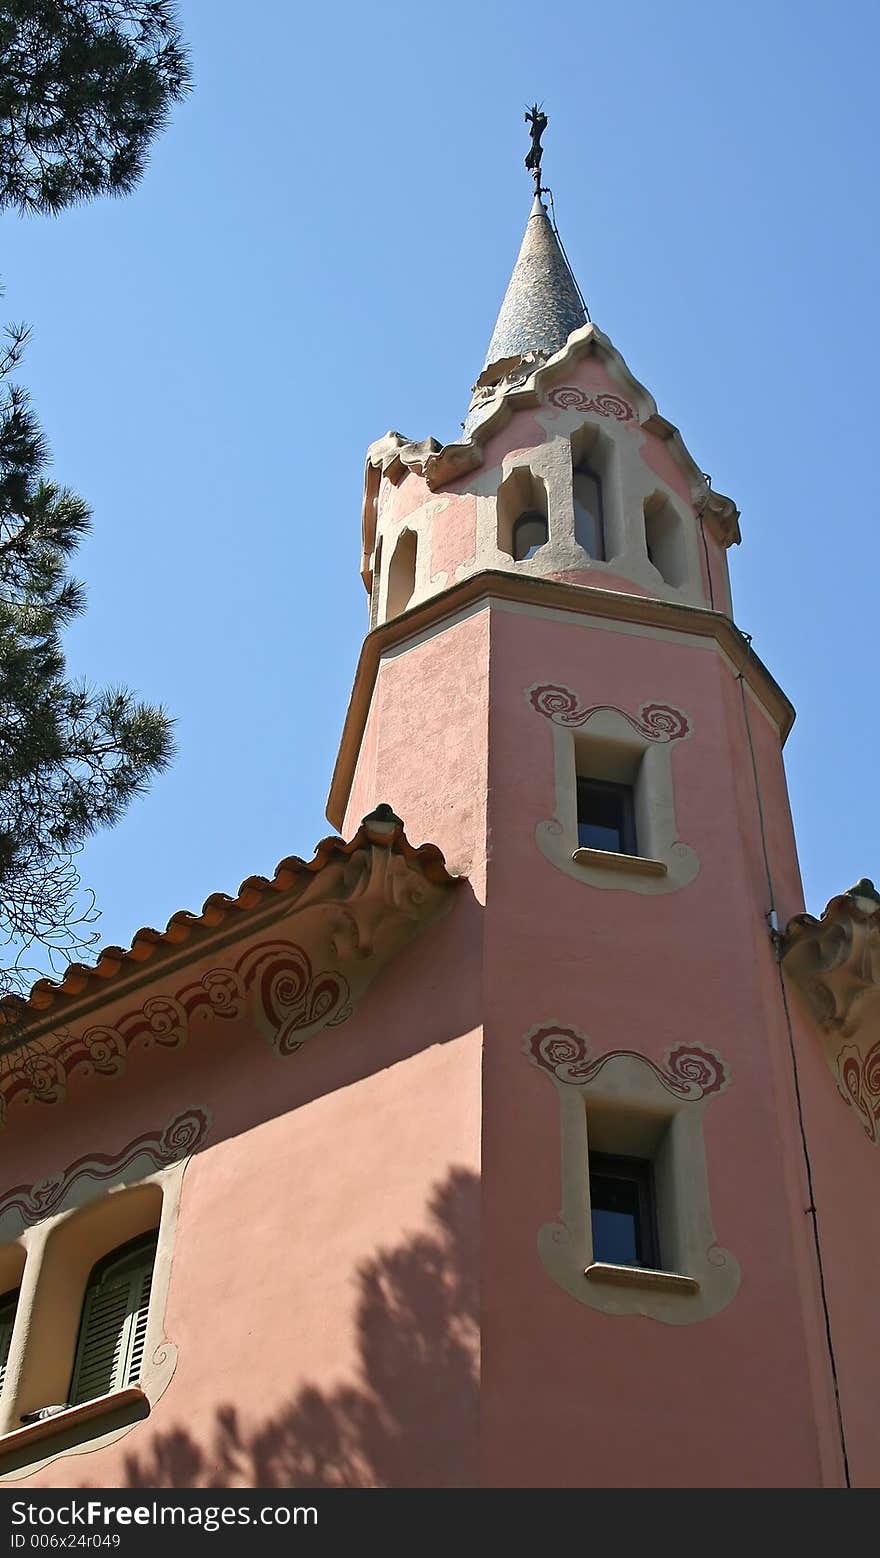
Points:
x=700, y=512
x=708, y=566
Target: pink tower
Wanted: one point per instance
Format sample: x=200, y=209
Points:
x=677, y=1269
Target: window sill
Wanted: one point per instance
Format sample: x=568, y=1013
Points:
x=74, y=1417
x=633, y=865
x=641, y=1277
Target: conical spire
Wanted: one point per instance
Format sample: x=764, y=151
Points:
x=542, y=304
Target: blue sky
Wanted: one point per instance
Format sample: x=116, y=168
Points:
x=317, y=254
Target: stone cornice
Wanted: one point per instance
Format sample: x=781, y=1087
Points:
x=552, y=594
x=835, y=964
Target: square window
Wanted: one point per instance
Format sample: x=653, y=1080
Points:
x=623, y=1211
x=606, y=816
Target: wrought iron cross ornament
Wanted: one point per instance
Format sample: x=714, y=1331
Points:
x=537, y=122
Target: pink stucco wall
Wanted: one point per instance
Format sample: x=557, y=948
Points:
x=425, y=749
x=326, y=1255
x=571, y=1395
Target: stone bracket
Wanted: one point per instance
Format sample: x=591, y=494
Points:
x=834, y=962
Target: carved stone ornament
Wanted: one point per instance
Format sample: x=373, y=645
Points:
x=835, y=964
x=720, y=516
x=340, y=919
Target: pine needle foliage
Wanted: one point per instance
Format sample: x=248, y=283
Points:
x=85, y=85
x=71, y=757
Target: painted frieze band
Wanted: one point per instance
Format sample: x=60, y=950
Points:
x=185, y=1133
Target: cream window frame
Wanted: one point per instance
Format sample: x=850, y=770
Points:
x=665, y=863
x=58, y=1255
x=625, y=1108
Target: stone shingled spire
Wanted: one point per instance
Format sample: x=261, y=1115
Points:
x=541, y=308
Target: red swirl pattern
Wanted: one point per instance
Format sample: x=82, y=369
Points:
x=567, y=397
x=859, y=1084
x=276, y=978
x=687, y=1071
x=559, y=704
x=563, y=1051
x=692, y=1067
x=662, y=722
x=655, y=721
x=181, y=1137
x=290, y=998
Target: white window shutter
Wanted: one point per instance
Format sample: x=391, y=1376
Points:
x=113, y=1328
x=7, y=1321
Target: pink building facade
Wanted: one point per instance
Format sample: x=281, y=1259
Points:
x=533, y=1145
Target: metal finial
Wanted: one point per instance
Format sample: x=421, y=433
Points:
x=537, y=122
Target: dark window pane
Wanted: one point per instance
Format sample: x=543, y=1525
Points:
x=622, y=1211
x=529, y=533
x=606, y=817
x=588, y=518
x=615, y=1237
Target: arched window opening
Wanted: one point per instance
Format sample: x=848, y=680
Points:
x=664, y=540
x=113, y=1325
x=589, y=519
x=529, y=535
x=402, y=574
x=523, y=524
x=596, y=518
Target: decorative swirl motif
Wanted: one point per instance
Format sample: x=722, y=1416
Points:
x=183, y=1134
x=665, y=723
x=557, y=703
x=166, y=1020
x=687, y=1071
x=655, y=721
x=105, y=1052
x=288, y=998
x=613, y=406
x=224, y=992
x=179, y=1138
x=859, y=1083
x=871, y=1072
x=281, y=973
x=567, y=397
x=219, y=993
x=564, y=1051
x=42, y=1078
x=695, y=1068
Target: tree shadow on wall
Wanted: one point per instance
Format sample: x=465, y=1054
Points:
x=413, y=1420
